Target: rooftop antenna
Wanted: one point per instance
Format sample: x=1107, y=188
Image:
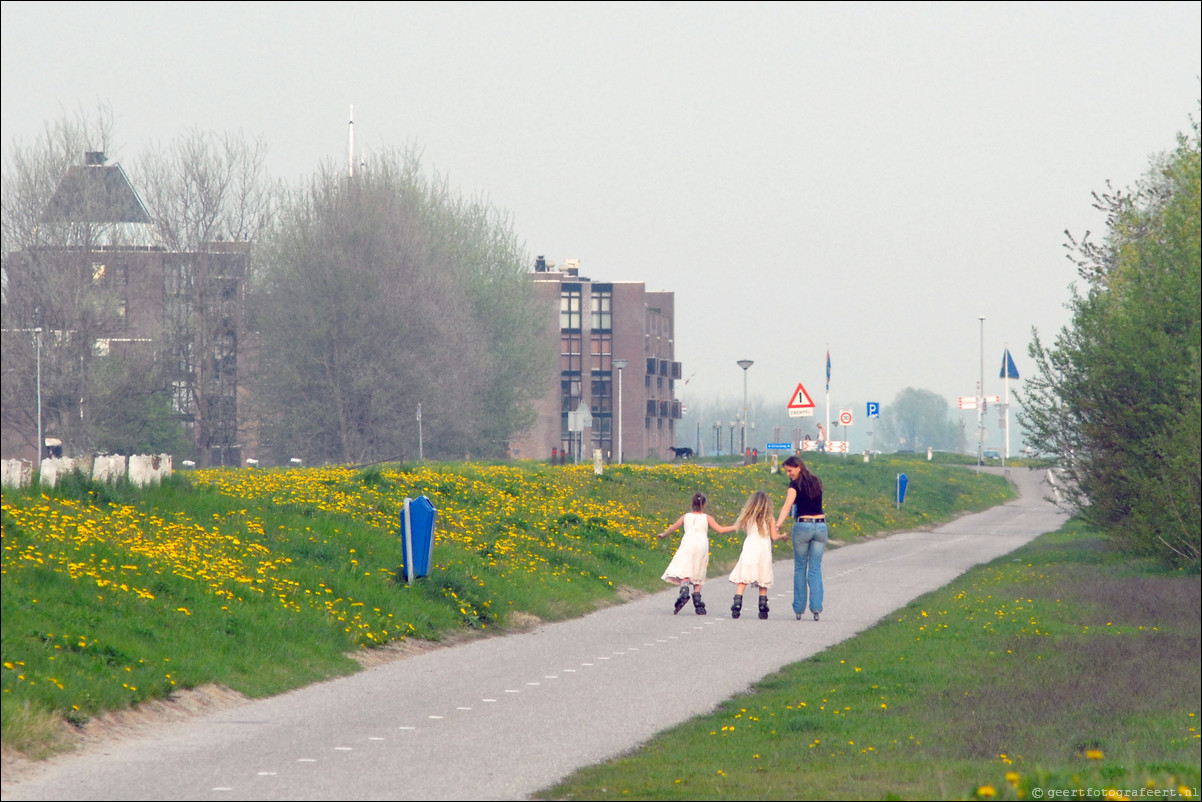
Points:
x=350, y=152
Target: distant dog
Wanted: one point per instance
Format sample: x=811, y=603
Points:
x=681, y=453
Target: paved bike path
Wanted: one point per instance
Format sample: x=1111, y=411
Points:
x=501, y=718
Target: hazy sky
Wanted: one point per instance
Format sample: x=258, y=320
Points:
x=872, y=177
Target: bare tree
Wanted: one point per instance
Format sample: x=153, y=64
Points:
x=211, y=201
x=70, y=270
x=33, y=172
x=206, y=188
x=55, y=275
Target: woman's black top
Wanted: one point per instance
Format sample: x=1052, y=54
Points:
x=803, y=505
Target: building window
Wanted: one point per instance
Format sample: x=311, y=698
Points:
x=569, y=391
x=569, y=308
x=602, y=300
x=602, y=435
x=570, y=353
x=602, y=396
x=177, y=277
x=602, y=350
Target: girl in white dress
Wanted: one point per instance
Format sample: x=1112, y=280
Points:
x=692, y=557
x=755, y=562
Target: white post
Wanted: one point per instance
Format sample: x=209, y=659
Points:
x=981, y=403
x=620, y=364
x=1006, y=384
x=37, y=336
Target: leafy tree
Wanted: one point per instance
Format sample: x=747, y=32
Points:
x=1116, y=395
x=917, y=420
x=384, y=291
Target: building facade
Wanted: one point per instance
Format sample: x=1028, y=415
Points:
x=100, y=288
x=616, y=363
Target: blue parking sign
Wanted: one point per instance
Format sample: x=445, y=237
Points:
x=874, y=409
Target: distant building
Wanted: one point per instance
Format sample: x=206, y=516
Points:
x=100, y=285
x=599, y=324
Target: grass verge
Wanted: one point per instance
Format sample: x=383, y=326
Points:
x=1065, y=668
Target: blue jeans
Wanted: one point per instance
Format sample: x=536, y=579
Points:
x=809, y=541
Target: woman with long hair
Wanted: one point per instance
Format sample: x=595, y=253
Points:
x=803, y=502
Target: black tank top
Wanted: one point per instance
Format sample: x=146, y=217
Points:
x=803, y=504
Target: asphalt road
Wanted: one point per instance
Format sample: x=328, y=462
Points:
x=501, y=718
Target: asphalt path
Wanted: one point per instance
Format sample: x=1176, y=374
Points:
x=501, y=718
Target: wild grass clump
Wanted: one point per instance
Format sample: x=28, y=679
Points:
x=1065, y=665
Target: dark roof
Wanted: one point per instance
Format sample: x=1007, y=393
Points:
x=96, y=193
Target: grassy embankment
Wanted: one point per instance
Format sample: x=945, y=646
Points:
x=1065, y=669
x=263, y=581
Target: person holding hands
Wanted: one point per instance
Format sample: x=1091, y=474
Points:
x=691, y=560
x=803, y=501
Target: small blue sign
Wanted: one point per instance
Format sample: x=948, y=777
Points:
x=874, y=409
x=780, y=446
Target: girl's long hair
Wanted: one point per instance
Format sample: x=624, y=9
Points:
x=698, y=502
x=757, y=511
x=810, y=484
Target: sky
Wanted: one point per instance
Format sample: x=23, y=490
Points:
x=860, y=178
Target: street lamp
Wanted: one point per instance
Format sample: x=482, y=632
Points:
x=37, y=336
x=717, y=437
x=732, y=437
x=744, y=364
x=620, y=364
x=981, y=402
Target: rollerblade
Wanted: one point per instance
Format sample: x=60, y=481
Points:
x=682, y=599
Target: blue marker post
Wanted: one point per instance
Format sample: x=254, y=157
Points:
x=902, y=481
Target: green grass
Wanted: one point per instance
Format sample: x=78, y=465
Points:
x=1065, y=665
x=263, y=581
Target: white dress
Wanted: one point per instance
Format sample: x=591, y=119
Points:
x=755, y=562
x=692, y=556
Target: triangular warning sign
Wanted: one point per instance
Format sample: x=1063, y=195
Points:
x=801, y=399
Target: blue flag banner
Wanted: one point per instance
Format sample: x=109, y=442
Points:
x=828, y=370
x=1009, y=371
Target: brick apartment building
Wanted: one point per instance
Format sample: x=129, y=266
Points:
x=600, y=324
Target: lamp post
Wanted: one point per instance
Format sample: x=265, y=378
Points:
x=732, y=437
x=37, y=336
x=420, y=453
x=981, y=402
x=717, y=437
x=620, y=364
x=744, y=364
